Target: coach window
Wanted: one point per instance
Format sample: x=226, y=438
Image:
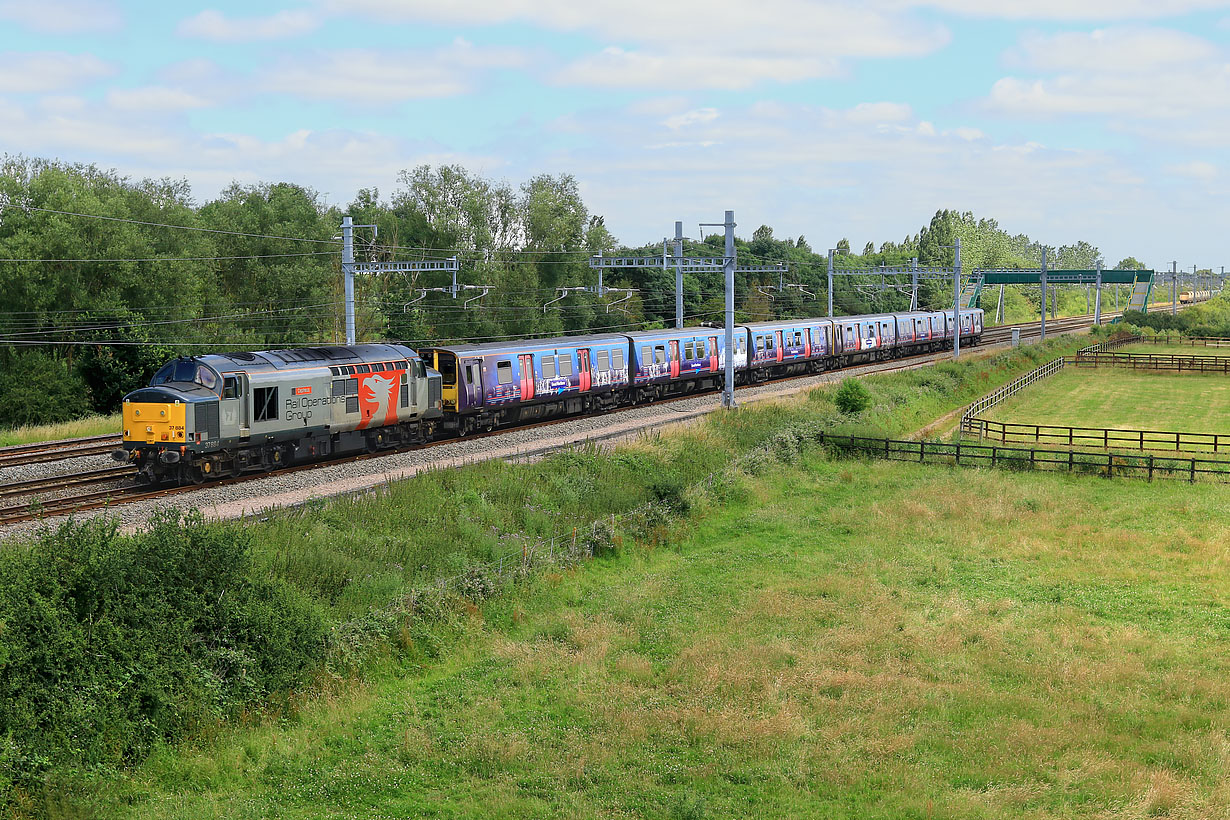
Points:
x=689, y=352
x=646, y=358
x=604, y=361
x=759, y=344
x=265, y=399
x=503, y=372
x=659, y=355
x=617, y=361
x=548, y=367
x=230, y=388
x=565, y=365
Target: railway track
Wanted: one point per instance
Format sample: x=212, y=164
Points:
x=113, y=496
x=45, y=451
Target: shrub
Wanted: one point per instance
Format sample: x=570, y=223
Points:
x=852, y=397
x=112, y=644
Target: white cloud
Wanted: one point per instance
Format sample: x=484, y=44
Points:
x=1069, y=9
x=1132, y=75
x=62, y=16
x=214, y=25
x=1119, y=50
x=693, y=117
x=45, y=71
x=141, y=143
x=154, y=98
x=614, y=67
x=1197, y=169
x=389, y=76
x=689, y=43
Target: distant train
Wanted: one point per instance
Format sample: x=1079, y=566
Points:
x=1189, y=296
x=226, y=414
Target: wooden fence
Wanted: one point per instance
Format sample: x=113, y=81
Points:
x=1147, y=466
x=1009, y=432
x=1154, y=361
x=1192, y=341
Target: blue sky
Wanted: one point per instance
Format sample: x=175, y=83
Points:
x=1103, y=120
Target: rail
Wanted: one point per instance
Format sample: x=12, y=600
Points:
x=1149, y=466
x=1192, y=341
x=1154, y=361
x=1010, y=432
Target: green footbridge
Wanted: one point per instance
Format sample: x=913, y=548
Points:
x=1140, y=280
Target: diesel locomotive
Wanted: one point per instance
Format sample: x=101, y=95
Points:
x=230, y=413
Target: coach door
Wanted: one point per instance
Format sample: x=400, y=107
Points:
x=233, y=406
x=584, y=377
x=713, y=355
x=674, y=358
x=472, y=376
x=781, y=351
x=527, y=376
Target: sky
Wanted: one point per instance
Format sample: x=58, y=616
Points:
x=1101, y=120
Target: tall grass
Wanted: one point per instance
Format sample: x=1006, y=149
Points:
x=77, y=428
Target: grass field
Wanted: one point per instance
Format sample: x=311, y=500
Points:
x=80, y=428
x=1176, y=349
x=832, y=639
x=1122, y=399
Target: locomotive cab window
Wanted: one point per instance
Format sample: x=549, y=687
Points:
x=446, y=363
x=503, y=373
x=265, y=401
x=230, y=388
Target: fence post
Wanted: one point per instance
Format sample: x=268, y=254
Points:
x=1110, y=465
x=958, y=452
x=1150, y=466
x=994, y=452
x=1070, y=455
x=922, y=448
x=1193, y=478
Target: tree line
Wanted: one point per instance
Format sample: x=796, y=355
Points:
x=91, y=305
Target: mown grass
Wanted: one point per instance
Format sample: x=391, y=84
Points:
x=78, y=428
x=828, y=639
x=1123, y=399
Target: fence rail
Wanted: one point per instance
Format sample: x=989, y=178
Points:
x=1009, y=432
x=1154, y=361
x=1148, y=466
x=1193, y=341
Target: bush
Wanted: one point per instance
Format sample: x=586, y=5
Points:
x=852, y=397
x=111, y=644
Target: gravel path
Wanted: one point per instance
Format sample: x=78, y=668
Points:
x=261, y=495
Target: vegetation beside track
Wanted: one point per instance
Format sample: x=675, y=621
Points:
x=820, y=639
x=79, y=428
x=338, y=581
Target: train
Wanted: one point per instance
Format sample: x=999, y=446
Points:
x=226, y=414
x=1187, y=297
